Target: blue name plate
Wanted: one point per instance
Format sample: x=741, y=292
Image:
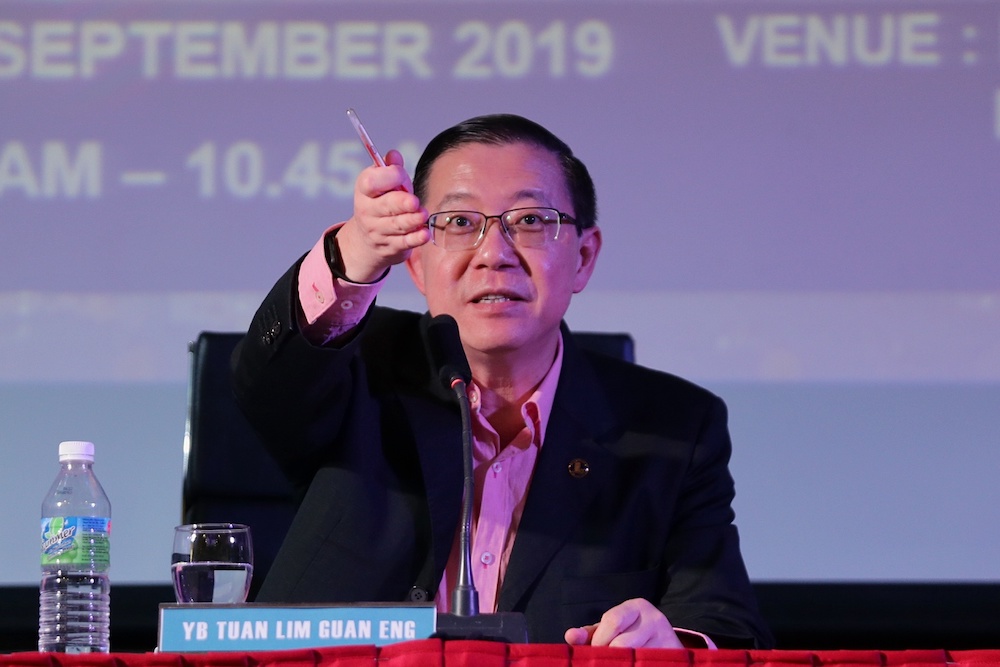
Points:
x=265, y=627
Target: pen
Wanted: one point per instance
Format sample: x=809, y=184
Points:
x=365, y=139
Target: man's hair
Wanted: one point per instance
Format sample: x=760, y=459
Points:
x=502, y=129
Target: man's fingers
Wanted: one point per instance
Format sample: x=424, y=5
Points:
x=580, y=636
x=376, y=181
x=417, y=238
x=613, y=623
x=634, y=623
x=638, y=635
x=394, y=157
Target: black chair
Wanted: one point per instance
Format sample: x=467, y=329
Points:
x=618, y=345
x=228, y=475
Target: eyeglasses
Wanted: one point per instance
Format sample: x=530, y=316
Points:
x=523, y=227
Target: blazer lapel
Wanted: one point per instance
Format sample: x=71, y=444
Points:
x=436, y=425
x=557, y=500
x=439, y=445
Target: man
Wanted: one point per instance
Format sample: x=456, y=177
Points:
x=603, y=498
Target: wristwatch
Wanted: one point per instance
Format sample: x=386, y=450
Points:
x=336, y=264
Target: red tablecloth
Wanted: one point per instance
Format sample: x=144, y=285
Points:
x=489, y=654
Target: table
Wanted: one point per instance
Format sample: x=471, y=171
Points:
x=461, y=653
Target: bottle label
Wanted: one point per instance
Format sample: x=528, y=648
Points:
x=77, y=540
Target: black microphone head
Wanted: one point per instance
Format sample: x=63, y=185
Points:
x=444, y=349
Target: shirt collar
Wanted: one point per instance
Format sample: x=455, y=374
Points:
x=537, y=406
x=543, y=397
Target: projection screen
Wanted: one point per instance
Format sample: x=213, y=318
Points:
x=799, y=201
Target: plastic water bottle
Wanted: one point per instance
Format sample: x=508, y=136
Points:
x=74, y=614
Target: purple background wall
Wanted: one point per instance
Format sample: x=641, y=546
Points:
x=799, y=198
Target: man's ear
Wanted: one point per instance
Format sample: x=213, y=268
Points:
x=415, y=265
x=590, y=248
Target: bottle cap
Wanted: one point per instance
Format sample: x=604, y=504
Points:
x=76, y=450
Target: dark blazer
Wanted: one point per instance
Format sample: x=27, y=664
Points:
x=375, y=444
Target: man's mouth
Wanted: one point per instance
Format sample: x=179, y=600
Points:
x=495, y=298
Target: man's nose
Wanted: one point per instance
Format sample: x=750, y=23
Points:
x=495, y=243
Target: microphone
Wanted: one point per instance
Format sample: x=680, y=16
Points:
x=446, y=354
x=445, y=351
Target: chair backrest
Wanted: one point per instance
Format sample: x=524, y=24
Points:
x=618, y=345
x=229, y=476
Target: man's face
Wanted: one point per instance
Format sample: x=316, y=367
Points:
x=504, y=298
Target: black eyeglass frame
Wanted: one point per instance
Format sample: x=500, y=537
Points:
x=559, y=218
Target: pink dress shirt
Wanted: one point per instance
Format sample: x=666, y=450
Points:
x=503, y=474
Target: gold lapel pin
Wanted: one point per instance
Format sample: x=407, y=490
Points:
x=578, y=468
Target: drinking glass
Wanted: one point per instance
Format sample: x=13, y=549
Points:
x=212, y=562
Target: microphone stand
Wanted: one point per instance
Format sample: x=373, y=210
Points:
x=465, y=597
x=465, y=621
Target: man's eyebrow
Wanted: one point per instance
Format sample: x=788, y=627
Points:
x=537, y=195
x=454, y=198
